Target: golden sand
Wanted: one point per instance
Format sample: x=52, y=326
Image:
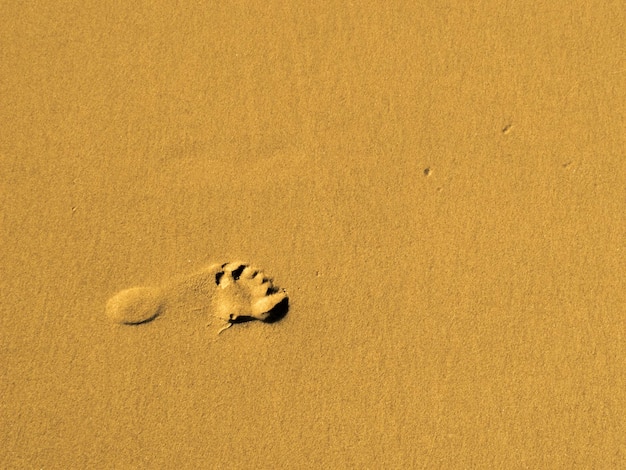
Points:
x=439, y=187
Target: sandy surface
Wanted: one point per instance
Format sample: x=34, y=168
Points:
x=440, y=189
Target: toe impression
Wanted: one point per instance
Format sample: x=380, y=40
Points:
x=262, y=307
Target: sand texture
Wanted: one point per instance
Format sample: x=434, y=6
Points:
x=430, y=197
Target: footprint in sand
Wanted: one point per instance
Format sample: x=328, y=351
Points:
x=231, y=292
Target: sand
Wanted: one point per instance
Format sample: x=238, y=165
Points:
x=440, y=188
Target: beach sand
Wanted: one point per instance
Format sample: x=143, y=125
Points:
x=439, y=188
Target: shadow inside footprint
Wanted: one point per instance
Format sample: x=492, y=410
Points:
x=278, y=312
